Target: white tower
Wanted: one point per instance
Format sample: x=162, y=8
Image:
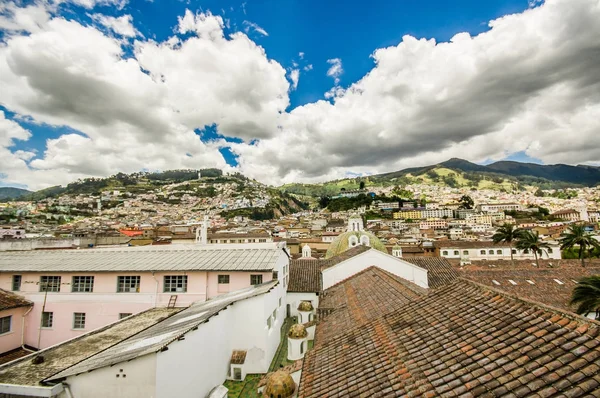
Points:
x=355, y=223
x=306, y=251
x=202, y=231
x=397, y=251
x=297, y=342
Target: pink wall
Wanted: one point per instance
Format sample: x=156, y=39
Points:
x=11, y=340
x=104, y=305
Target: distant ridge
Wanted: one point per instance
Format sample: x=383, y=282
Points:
x=580, y=175
x=9, y=193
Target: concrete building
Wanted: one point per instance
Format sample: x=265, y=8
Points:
x=480, y=250
x=75, y=291
x=8, y=232
x=161, y=352
x=496, y=207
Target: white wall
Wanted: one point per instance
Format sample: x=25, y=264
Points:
x=354, y=265
x=140, y=380
x=294, y=299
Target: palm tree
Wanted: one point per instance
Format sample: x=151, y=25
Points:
x=576, y=235
x=507, y=233
x=530, y=241
x=587, y=294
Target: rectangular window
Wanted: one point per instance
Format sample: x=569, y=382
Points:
x=262, y=241
x=5, y=324
x=275, y=275
x=175, y=283
x=50, y=284
x=47, y=319
x=79, y=320
x=255, y=279
x=16, y=283
x=269, y=322
x=274, y=315
x=83, y=284
x=223, y=279
x=124, y=315
x=128, y=284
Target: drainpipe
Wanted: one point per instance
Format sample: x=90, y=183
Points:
x=67, y=389
x=206, y=287
x=155, y=291
x=23, y=329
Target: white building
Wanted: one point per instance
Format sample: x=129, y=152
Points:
x=496, y=207
x=475, y=251
x=8, y=232
x=160, y=353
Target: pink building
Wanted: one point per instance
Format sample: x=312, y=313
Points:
x=13, y=309
x=75, y=291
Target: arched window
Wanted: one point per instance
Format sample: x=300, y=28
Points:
x=482, y=252
x=365, y=241
x=549, y=250
x=498, y=251
x=445, y=253
x=466, y=252
x=514, y=251
x=456, y=252
x=490, y=252
x=352, y=241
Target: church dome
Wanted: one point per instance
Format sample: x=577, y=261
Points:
x=305, y=306
x=279, y=384
x=297, y=331
x=347, y=240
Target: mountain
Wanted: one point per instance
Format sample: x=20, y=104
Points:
x=8, y=193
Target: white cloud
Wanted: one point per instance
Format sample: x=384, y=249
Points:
x=335, y=70
x=308, y=67
x=122, y=25
x=531, y=83
x=294, y=77
x=90, y=4
x=301, y=55
x=251, y=25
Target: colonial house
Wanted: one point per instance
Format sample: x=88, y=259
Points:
x=488, y=250
x=75, y=291
x=567, y=215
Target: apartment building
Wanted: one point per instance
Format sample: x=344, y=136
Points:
x=496, y=207
x=75, y=291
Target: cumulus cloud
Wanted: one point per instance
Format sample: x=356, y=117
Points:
x=122, y=25
x=294, y=77
x=251, y=25
x=530, y=83
x=335, y=70
x=90, y=4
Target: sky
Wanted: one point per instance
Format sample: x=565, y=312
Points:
x=293, y=91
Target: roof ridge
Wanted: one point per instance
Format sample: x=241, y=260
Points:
x=548, y=308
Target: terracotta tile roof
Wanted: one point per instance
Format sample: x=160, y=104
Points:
x=305, y=276
x=238, y=357
x=439, y=271
x=10, y=300
x=359, y=299
x=534, y=284
x=463, y=340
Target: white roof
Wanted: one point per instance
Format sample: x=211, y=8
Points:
x=157, y=258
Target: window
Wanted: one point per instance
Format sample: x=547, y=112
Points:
x=456, y=252
x=50, y=284
x=466, y=252
x=83, y=284
x=482, y=252
x=255, y=279
x=445, y=253
x=124, y=315
x=280, y=301
x=237, y=373
x=175, y=283
x=5, y=323
x=269, y=323
x=514, y=251
x=498, y=251
x=128, y=284
x=16, y=283
x=223, y=279
x=549, y=250
x=262, y=241
x=490, y=252
x=79, y=320
x=275, y=274
x=47, y=319
x=274, y=315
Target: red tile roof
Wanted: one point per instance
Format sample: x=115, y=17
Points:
x=463, y=340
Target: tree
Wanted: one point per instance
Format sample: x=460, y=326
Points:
x=586, y=295
x=507, y=233
x=362, y=185
x=324, y=202
x=530, y=241
x=466, y=202
x=576, y=235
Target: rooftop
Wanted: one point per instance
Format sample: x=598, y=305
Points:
x=461, y=340
x=146, y=258
x=9, y=300
x=305, y=276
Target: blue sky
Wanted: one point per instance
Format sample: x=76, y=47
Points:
x=493, y=94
